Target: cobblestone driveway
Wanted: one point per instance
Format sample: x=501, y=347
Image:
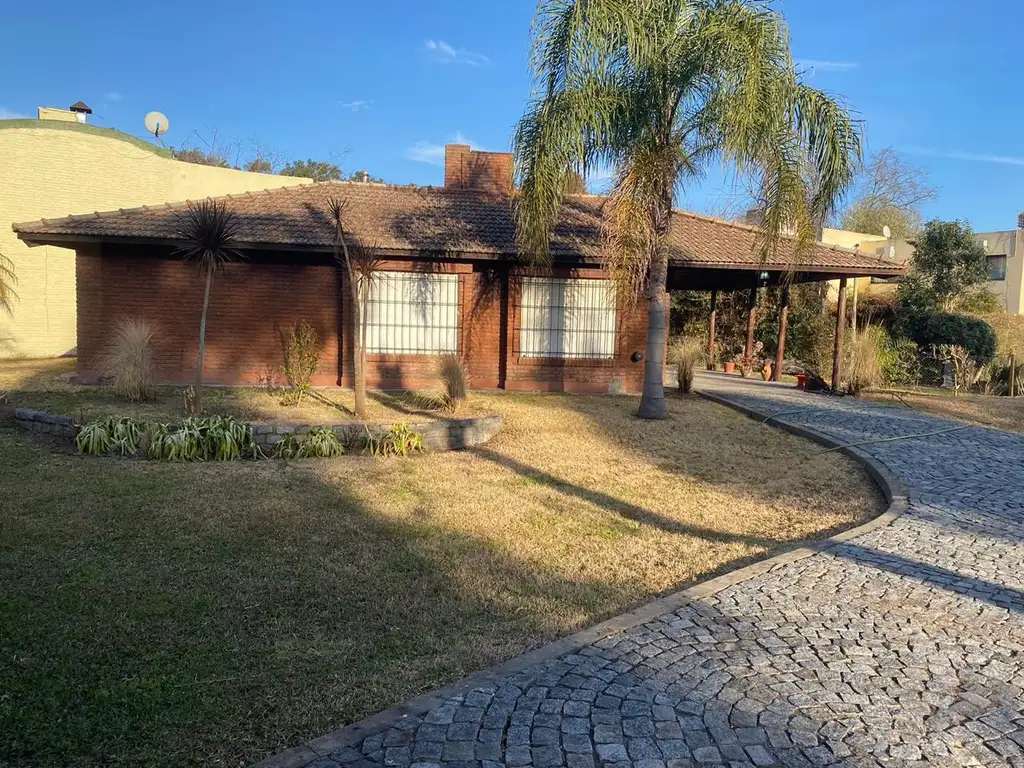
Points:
x=902, y=646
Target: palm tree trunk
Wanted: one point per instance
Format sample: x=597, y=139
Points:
x=652, y=404
x=198, y=403
x=358, y=343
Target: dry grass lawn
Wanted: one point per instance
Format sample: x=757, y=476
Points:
x=172, y=615
x=988, y=411
x=47, y=385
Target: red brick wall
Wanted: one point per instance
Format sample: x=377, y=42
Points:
x=254, y=303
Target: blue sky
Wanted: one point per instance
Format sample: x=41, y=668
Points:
x=383, y=85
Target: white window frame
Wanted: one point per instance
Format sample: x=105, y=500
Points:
x=412, y=313
x=568, y=318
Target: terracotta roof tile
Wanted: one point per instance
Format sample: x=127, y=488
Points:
x=439, y=220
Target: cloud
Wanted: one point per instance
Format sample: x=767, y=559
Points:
x=112, y=96
x=817, y=65
x=8, y=114
x=974, y=157
x=355, y=106
x=429, y=152
x=441, y=51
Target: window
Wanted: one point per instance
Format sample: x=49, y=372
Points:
x=411, y=313
x=567, y=318
x=996, y=267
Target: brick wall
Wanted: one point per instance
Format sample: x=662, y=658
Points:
x=465, y=168
x=254, y=303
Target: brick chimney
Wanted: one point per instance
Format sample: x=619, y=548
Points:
x=489, y=172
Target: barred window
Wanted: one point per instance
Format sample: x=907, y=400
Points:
x=572, y=318
x=412, y=313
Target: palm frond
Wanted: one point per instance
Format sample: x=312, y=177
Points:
x=209, y=232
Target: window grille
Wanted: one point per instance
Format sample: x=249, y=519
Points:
x=569, y=319
x=412, y=313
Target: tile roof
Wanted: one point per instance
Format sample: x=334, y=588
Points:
x=435, y=220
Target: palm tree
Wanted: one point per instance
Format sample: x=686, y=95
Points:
x=658, y=89
x=209, y=231
x=7, y=281
x=360, y=263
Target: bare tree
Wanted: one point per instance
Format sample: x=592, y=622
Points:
x=7, y=281
x=209, y=231
x=360, y=263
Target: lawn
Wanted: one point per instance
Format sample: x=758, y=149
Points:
x=169, y=615
x=46, y=385
x=987, y=410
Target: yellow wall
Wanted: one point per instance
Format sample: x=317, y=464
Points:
x=868, y=244
x=60, y=169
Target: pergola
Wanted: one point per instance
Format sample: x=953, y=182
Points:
x=823, y=265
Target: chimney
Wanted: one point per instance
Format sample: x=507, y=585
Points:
x=1020, y=221
x=81, y=109
x=488, y=172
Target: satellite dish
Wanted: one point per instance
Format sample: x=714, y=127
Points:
x=157, y=123
x=886, y=232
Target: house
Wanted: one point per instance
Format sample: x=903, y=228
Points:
x=1004, y=249
x=450, y=281
x=60, y=164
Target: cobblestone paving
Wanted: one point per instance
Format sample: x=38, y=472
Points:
x=901, y=647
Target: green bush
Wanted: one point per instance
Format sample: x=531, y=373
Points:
x=109, y=435
x=945, y=329
x=900, y=359
x=321, y=442
x=213, y=438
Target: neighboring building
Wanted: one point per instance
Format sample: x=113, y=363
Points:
x=1005, y=251
x=450, y=282
x=58, y=165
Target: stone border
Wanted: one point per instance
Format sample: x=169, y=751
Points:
x=892, y=487
x=446, y=435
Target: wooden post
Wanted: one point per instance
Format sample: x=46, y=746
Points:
x=837, y=352
x=780, y=353
x=1013, y=374
x=711, y=330
x=748, y=350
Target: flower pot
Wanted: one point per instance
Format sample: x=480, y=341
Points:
x=801, y=381
x=730, y=367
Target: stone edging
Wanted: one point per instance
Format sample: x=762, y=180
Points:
x=445, y=435
x=892, y=487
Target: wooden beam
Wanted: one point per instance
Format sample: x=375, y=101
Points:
x=748, y=350
x=780, y=353
x=837, y=351
x=711, y=330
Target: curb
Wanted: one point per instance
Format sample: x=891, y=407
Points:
x=892, y=488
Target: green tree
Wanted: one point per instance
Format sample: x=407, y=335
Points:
x=888, y=192
x=259, y=165
x=659, y=89
x=208, y=231
x=199, y=157
x=947, y=272
x=318, y=170
x=365, y=177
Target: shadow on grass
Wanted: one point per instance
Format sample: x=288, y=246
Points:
x=175, y=615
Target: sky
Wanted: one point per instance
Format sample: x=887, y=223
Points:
x=383, y=85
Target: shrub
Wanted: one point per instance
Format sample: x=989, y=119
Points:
x=999, y=380
x=321, y=442
x=215, y=438
x=454, y=383
x=864, y=367
x=900, y=359
x=129, y=360
x=108, y=435
x=941, y=329
x=687, y=354
x=301, y=356
x=287, y=447
x=397, y=441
